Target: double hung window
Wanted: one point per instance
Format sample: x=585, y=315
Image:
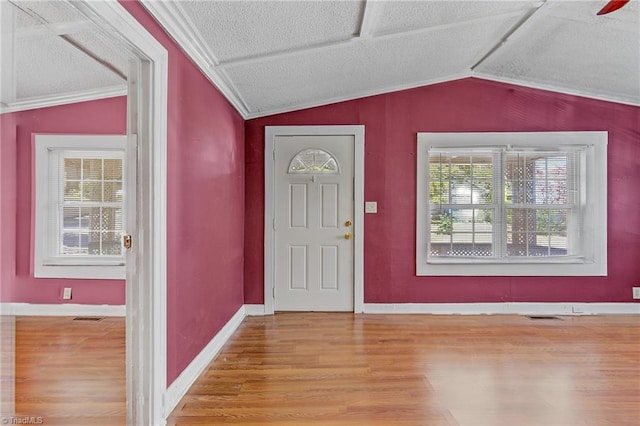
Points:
x=80, y=196
x=511, y=204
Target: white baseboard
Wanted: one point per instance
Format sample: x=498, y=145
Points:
x=515, y=308
x=254, y=310
x=183, y=382
x=62, y=310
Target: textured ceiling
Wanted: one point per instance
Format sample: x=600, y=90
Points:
x=360, y=68
x=50, y=52
x=275, y=56
x=238, y=29
x=568, y=47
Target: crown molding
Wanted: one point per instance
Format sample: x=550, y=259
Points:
x=64, y=99
x=359, y=95
x=551, y=88
x=175, y=21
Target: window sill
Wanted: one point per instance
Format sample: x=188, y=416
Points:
x=537, y=269
x=564, y=260
x=102, y=272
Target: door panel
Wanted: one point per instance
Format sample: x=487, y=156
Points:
x=329, y=205
x=298, y=205
x=298, y=267
x=329, y=279
x=314, y=201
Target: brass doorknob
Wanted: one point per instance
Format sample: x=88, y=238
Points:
x=348, y=223
x=348, y=236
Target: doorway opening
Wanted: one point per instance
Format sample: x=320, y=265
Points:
x=146, y=81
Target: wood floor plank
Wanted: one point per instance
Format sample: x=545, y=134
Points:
x=344, y=369
x=70, y=372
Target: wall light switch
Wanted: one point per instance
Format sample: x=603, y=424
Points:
x=66, y=293
x=371, y=207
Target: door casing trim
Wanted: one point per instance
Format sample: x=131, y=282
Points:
x=271, y=133
x=146, y=308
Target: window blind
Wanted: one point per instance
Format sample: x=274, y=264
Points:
x=503, y=203
x=89, y=198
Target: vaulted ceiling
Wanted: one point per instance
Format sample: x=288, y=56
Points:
x=51, y=55
x=275, y=56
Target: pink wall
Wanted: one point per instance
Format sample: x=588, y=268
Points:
x=8, y=194
x=205, y=218
x=106, y=116
x=392, y=122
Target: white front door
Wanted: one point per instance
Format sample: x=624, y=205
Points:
x=314, y=223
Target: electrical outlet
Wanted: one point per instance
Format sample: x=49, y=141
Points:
x=636, y=292
x=66, y=293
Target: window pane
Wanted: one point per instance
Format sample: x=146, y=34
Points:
x=102, y=219
x=72, y=168
x=460, y=172
x=558, y=244
x=91, y=191
x=94, y=243
x=441, y=221
x=482, y=168
x=551, y=221
x=313, y=161
x=92, y=169
x=74, y=243
x=537, y=232
x=111, y=245
x=112, y=192
x=482, y=191
x=92, y=217
x=111, y=219
x=462, y=232
x=71, y=218
x=112, y=169
x=460, y=193
x=72, y=191
x=556, y=191
x=460, y=179
x=538, y=178
x=92, y=230
x=438, y=184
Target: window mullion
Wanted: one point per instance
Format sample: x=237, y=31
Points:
x=500, y=226
x=56, y=231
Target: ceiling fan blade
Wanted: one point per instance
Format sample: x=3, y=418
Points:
x=612, y=6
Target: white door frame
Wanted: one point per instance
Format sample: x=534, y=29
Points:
x=270, y=135
x=146, y=333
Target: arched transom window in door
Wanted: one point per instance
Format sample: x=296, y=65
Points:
x=313, y=160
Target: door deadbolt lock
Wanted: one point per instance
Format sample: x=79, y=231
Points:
x=348, y=236
x=126, y=241
x=348, y=223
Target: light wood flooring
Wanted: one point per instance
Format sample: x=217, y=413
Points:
x=341, y=369
x=344, y=369
x=70, y=372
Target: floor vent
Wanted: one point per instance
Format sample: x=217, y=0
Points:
x=543, y=317
x=88, y=318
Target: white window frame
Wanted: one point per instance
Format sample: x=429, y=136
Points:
x=47, y=148
x=594, y=205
